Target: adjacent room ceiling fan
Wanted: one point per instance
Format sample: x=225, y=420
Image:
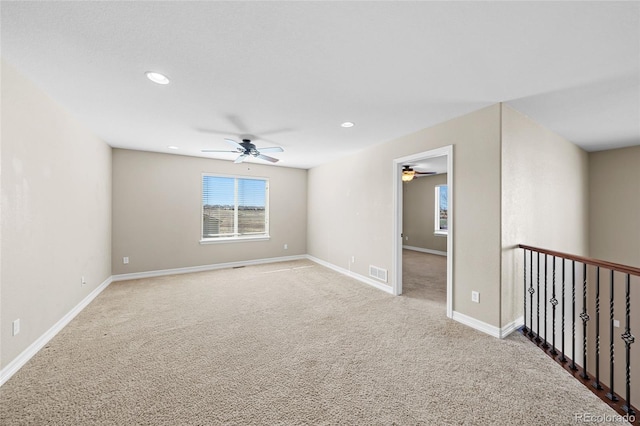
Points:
x=408, y=173
x=246, y=148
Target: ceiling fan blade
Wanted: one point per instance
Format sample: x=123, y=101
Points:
x=267, y=158
x=272, y=149
x=216, y=150
x=425, y=173
x=240, y=158
x=233, y=143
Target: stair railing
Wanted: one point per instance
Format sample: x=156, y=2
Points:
x=557, y=273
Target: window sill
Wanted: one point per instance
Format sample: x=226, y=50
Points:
x=234, y=239
x=441, y=233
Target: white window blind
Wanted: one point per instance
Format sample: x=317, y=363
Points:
x=234, y=207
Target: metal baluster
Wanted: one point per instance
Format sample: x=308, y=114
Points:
x=628, y=340
x=573, y=316
x=545, y=345
x=538, y=299
x=596, y=383
x=585, y=317
x=562, y=357
x=554, y=303
x=549, y=345
x=611, y=395
x=524, y=304
x=531, y=291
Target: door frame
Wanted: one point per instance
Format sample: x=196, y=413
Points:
x=397, y=218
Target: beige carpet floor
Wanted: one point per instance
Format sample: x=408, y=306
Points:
x=424, y=276
x=290, y=343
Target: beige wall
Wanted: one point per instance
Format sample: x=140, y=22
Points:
x=157, y=212
x=614, y=222
x=614, y=235
x=56, y=212
x=544, y=199
x=351, y=207
x=418, y=212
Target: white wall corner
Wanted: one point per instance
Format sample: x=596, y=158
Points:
x=492, y=330
x=511, y=327
x=15, y=365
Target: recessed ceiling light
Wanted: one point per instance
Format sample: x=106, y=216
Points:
x=347, y=124
x=156, y=77
x=172, y=147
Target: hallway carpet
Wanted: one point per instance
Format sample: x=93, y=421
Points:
x=424, y=276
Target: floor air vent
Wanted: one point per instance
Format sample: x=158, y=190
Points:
x=378, y=273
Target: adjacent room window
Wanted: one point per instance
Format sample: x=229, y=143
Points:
x=234, y=208
x=442, y=210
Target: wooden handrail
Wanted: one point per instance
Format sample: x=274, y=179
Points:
x=625, y=269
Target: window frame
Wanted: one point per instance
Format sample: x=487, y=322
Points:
x=438, y=231
x=235, y=238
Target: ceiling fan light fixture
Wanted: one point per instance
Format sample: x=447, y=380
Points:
x=157, y=78
x=347, y=124
x=408, y=175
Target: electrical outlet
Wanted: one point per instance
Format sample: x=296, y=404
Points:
x=616, y=323
x=406, y=238
x=83, y=281
x=15, y=327
x=475, y=296
x=125, y=260
x=353, y=259
x=286, y=246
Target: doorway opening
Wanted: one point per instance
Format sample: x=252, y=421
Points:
x=421, y=241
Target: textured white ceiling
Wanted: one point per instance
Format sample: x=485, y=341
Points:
x=290, y=72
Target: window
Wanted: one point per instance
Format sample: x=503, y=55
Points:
x=234, y=208
x=442, y=210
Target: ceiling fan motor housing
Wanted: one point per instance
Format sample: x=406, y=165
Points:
x=249, y=148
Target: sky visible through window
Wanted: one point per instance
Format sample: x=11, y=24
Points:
x=444, y=205
x=220, y=191
x=442, y=213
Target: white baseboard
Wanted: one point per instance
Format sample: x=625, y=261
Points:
x=424, y=250
x=362, y=278
x=32, y=349
x=489, y=329
x=214, y=266
x=511, y=327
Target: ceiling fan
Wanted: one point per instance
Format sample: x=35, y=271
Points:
x=246, y=148
x=408, y=173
